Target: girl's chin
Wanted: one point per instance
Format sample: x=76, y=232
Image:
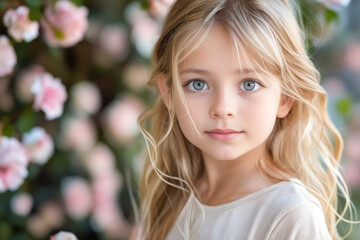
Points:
x=222, y=157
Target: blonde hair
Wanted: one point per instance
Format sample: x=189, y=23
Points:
x=270, y=33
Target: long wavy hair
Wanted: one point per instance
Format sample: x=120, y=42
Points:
x=304, y=144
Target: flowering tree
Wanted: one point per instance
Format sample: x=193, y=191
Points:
x=72, y=85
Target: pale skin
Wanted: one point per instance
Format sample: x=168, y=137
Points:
x=234, y=107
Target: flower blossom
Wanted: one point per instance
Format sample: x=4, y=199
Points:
x=136, y=75
x=145, y=29
x=106, y=213
x=77, y=196
x=64, y=24
x=25, y=80
x=79, y=134
x=19, y=25
x=13, y=164
x=160, y=8
x=334, y=3
x=50, y=95
x=86, y=97
x=52, y=214
x=7, y=56
x=21, y=203
x=100, y=160
x=113, y=40
x=63, y=236
x=121, y=119
x=39, y=144
x=37, y=226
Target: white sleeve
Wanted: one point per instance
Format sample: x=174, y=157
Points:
x=306, y=221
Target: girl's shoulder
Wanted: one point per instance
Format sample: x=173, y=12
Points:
x=294, y=192
x=301, y=214
x=290, y=195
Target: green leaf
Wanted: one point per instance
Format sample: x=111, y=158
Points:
x=78, y=2
x=59, y=34
x=19, y=236
x=7, y=130
x=145, y=5
x=331, y=16
x=35, y=14
x=2, y=5
x=344, y=106
x=56, y=52
x=34, y=171
x=33, y=3
x=5, y=230
x=26, y=121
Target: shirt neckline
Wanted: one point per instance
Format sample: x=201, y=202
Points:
x=244, y=199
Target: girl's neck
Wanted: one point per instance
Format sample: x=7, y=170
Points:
x=226, y=181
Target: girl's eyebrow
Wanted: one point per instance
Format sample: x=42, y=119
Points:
x=207, y=72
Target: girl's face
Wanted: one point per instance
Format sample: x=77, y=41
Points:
x=234, y=106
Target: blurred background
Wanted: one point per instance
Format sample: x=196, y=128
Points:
x=84, y=148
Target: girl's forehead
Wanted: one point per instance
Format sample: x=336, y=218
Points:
x=218, y=45
x=219, y=52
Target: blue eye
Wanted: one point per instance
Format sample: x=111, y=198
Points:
x=249, y=85
x=196, y=85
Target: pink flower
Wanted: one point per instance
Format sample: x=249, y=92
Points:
x=86, y=97
x=121, y=119
x=160, y=8
x=352, y=174
x=352, y=149
x=100, y=160
x=136, y=75
x=64, y=24
x=106, y=212
x=63, y=236
x=39, y=144
x=352, y=57
x=50, y=95
x=114, y=41
x=79, y=134
x=37, y=226
x=77, y=196
x=106, y=187
x=13, y=164
x=19, y=25
x=21, y=203
x=332, y=3
x=145, y=30
x=25, y=81
x=110, y=219
x=52, y=214
x=7, y=56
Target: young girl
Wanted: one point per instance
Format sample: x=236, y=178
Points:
x=241, y=145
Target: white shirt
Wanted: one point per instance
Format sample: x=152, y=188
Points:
x=285, y=210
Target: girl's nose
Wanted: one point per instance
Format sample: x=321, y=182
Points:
x=224, y=105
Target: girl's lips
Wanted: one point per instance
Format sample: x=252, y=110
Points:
x=223, y=134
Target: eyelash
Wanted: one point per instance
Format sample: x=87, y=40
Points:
x=187, y=84
x=257, y=85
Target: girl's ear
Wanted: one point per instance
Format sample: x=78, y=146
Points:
x=284, y=107
x=164, y=90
